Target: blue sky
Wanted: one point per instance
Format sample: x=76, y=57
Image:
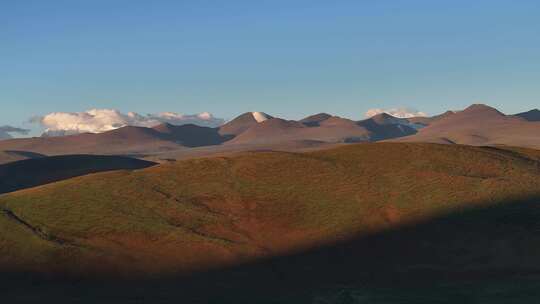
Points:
x=287, y=58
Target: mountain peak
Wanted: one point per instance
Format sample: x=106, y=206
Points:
x=243, y=122
x=260, y=116
x=383, y=115
x=316, y=119
x=383, y=118
x=479, y=107
x=318, y=116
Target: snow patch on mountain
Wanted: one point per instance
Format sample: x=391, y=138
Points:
x=260, y=116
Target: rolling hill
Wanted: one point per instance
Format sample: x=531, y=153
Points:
x=354, y=215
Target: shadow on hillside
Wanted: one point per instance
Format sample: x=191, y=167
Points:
x=26, y=154
x=480, y=255
x=191, y=135
x=43, y=170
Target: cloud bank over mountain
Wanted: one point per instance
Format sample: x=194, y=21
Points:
x=102, y=120
x=6, y=131
x=396, y=112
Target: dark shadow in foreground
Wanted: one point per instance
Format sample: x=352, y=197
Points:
x=480, y=255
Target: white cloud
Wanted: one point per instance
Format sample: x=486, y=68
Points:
x=396, y=112
x=102, y=120
x=6, y=131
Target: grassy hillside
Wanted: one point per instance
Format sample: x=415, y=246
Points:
x=447, y=209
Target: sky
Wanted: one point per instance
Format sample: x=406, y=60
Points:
x=286, y=58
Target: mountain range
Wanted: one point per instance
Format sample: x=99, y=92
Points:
x=286, y=210
x=481, y=125
x=476, y=125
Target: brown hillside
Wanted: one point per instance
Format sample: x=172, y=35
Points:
x=238, y=125
x=331, y=130
x=252, y=205
x=315, y=120
x=355, y=217
x=126, y=140
x=428, y=120
x=480, y=125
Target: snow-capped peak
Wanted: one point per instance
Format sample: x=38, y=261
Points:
x=260, y=116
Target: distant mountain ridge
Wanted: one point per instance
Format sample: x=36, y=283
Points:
x=478, y=124
x=250, y=128
x=242, y=123
x=532, y=115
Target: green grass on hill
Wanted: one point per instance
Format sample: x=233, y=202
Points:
x=202, y=213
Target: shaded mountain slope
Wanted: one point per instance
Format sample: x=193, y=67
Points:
x=11, y=156
x=38, y=171
x=532, y=115
x=204, y=213
x=384, y=126
x=191, y=135
x=480, y=125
